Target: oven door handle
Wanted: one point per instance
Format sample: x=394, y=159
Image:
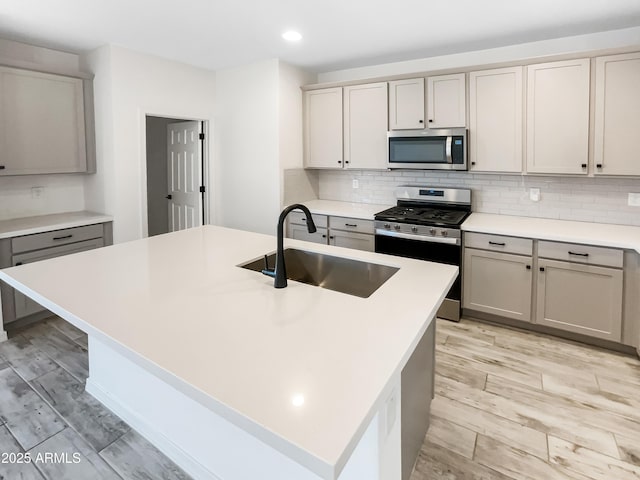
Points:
x=448, y=149
x=408, y=236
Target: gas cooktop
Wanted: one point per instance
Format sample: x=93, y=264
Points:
x=423, y=216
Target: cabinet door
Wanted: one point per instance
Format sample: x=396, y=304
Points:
x=24, y=305
x=300, y=232
x=497, y=283
x=495, y=120
x=365, y=126
x=323, y=128
x=357, y=241
x=446, y=101
x=406, y=104
x=580, y=298
x=558, y=117
x=41, y=123
x=617, y=115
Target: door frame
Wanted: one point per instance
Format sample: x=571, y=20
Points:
x=207, y=180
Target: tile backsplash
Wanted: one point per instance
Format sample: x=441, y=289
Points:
x=602, y=200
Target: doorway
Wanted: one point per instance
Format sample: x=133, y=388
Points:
x=176, y=173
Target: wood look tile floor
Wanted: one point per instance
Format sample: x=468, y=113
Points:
x=509, y=405
x=514, y=405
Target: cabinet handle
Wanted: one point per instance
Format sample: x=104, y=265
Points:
x=598, y=165
x=350, y=224
x=346, y=161
x=578, y=254
x=331, y=237
x=584, y=165
x=542, y=269
x=473, y=163
x=169, y=197
x=63, y=237
x=528, y=267
x=420, y=121
x=324, y=236
x=498, y=244
x=430, y=121
x=1, y=167
x=18, y=263
x=339, y=161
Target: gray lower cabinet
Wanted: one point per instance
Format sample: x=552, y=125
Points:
x=25, y=249
x=579, y=298
x=498, y=283
x=339, y=231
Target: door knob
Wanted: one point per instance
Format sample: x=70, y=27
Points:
x=169, y=197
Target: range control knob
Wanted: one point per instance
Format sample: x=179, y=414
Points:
x=387, y=226
x=444, y=233
x=397, y=227
x=432, y=231
x=414, y=229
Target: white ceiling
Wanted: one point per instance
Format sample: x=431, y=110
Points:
x=336, y=33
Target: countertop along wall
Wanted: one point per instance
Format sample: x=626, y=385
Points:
x=61, y=192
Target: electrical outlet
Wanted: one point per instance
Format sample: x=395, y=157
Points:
x=355, y=183
x=534, y=194
x=634, y=200
x=36, y=192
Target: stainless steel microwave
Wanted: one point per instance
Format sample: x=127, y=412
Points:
x=429, y=149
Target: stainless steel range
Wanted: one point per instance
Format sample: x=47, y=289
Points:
x=426, y=225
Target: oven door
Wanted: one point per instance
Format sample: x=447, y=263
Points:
x=433, y=252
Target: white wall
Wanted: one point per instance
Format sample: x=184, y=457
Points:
x=628, y=37
x=129, y=85
x=258, y=134
x=61, y=193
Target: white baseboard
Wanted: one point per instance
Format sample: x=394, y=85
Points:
x=160, y=441
x=3, y=336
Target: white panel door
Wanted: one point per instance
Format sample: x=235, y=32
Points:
x=558, y=117
x=184, y=164
x=323, y=128
x=446, y=101
x=365, y=126
x=495, y=120
x=617, y=115
x=406, y=104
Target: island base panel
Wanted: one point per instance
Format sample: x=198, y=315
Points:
x=3, y=334
x=417, y=392
x=209, y=447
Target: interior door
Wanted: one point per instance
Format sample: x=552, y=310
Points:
x=184, y=164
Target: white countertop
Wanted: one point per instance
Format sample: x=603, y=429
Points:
x=44, y=223
x=180, y=302
x=365, y=211
x=601, y=234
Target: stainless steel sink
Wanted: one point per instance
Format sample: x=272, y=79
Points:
x=327, y=271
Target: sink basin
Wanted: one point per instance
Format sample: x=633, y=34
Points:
x=327, y=271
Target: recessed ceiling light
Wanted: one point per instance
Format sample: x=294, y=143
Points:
x=292, y=36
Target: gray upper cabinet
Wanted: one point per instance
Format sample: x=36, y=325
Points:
x=617, y=115
x=406, y=104
x=43, y=124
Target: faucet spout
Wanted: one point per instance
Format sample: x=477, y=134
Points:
x=280, y=280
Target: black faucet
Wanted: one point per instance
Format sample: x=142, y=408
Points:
x=280, y=272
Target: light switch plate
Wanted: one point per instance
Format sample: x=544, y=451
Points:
x=634, y=199
x=534, y=194
x=355, y=183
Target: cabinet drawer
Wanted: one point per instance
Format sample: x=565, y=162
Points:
x=54, y=238
x=578, y=253
x=499, y=243
x=350, y=224
x=59, y=251
x=300, y=219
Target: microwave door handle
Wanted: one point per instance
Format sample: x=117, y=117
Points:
x=448, y=149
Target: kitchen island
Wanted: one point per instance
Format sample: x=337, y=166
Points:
x=232, y=378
